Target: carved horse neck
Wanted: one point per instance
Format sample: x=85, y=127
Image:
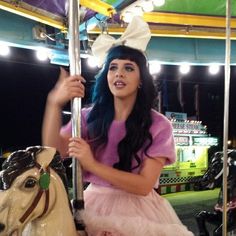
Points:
x=50, y=223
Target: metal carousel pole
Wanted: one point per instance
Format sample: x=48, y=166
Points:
x=75, y=69
x=226, y=113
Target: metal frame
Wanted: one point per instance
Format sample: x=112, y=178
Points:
x=74, y=58
x=226, y=113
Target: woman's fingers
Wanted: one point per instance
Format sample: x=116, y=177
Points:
x=74, y=87
x=77, y=78
x=80, y=149
x=76, y=140
x=74, y=148
x=63, y=73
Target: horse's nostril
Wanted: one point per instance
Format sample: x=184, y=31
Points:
x=2, y=227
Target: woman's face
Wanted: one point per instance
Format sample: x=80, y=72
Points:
x=123, y=78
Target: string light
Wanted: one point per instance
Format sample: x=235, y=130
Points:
x=158, y=3
x=214, y=69
x=154, y=67
x=4, y=50
x=184, y=68
x=42, y=54
x=147, y=6
x=139, y=7
x=92, y=61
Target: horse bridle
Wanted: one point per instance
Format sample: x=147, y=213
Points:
x=44, y=182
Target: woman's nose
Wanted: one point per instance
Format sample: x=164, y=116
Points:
x=119, y=73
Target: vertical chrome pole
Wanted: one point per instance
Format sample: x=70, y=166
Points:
x=226, y=113
x=74, y=58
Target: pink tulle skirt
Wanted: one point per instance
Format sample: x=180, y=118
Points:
x=113, y=212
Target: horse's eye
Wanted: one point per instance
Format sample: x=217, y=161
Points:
x=30, y=183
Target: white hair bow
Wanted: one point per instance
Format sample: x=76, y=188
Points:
x=136, y=35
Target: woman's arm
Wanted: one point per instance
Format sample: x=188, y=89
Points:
x=141, y=183
x=52, y=123
x=65, y=89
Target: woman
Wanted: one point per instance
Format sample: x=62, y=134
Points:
x=123, y=149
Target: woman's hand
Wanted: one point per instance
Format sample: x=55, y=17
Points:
x=66, y=88
x=80, y=149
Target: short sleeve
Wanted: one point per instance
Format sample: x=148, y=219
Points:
x=163, y=141
x=67, y=129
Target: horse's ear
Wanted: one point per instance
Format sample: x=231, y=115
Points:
x=45, y=157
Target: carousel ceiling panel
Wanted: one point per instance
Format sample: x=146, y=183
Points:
x=186, y=18
x=197, y=7
x=193, y=24
x=56, y=8
x=51, y=12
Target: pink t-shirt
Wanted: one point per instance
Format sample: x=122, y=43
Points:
x=162, y=145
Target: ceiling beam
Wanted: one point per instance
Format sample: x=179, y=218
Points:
x=186, y=19
x=178, y=33
x=99, y=6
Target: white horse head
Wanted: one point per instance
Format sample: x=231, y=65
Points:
x=32, y=190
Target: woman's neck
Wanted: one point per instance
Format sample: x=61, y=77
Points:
x=123, y=108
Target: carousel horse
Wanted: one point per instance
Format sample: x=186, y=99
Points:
x=2, y=159
x=212, y=178
x=33, y=195
x=215, y=217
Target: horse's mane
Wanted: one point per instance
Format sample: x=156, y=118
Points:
x=20, y=161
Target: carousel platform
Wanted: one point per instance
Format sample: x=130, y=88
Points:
x=187, y=204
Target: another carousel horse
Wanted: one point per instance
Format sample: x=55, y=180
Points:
x=2, y=159
x=212, y=178
x=32, y=194
x=215, y=217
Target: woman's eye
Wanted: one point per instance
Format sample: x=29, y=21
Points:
x=112, y=68
x=129, y=68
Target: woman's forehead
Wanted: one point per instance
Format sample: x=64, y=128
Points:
x=123, y=61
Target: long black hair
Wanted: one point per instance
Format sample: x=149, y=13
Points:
x=139, y=120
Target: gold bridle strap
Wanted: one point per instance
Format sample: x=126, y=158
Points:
x=38, y=196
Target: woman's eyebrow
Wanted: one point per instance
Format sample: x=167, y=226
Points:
x=126, y=64
x=113, y=63
x=129, y=64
